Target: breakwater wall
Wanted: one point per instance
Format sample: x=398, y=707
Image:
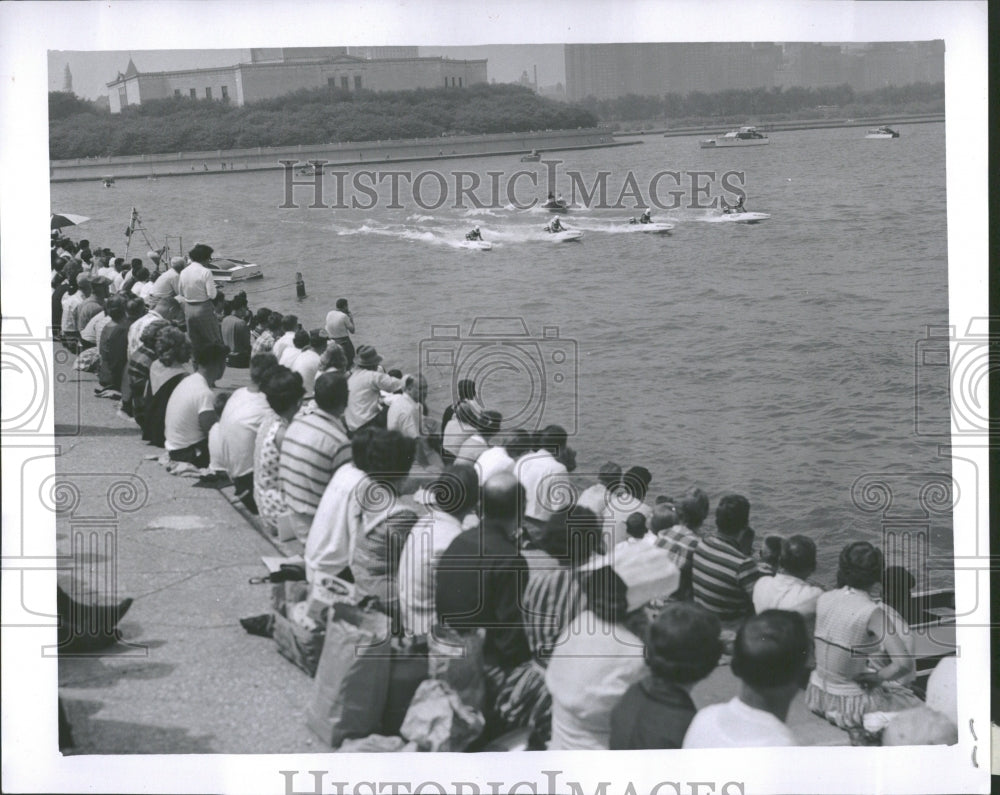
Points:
x=368, y=153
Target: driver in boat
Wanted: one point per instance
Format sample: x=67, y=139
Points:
x=555, y=226
x=475, y=234
x=645, y=218
x=733, y=209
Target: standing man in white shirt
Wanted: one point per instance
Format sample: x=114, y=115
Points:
x=544, y=478
x=769, y=657
x=196, y=290
x=340, y=326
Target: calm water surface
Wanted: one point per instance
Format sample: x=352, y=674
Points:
x=774, y=359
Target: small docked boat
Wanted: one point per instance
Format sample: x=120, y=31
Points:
x=227, y=269
x=882, y=132
x=534, y=157
x=108, y=182
x=744, y=136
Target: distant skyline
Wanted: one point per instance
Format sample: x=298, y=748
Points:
x=92, y=71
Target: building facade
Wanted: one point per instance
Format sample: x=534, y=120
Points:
x=273, y=72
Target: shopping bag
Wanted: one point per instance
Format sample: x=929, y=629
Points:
x=352, y=679
x=438, y=720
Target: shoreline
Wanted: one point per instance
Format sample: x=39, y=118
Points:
x=791, y=125
x=363, y=154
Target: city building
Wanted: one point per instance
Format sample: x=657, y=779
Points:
x=273, y=72
x=608, y=71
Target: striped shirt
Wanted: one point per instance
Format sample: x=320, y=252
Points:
x=723, y=578
x=551, y=600
x=315, y=445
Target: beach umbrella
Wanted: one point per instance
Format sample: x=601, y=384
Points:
x=59, y=220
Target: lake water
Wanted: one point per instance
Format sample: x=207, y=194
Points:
x=775, y=359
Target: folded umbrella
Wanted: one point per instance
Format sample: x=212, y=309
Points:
x=59, y=220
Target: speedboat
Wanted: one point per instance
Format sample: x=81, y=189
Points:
x=534, y=157
x=744, y=136
x=882, y=132
x=555, y=206
x=651, y=227
x=740, y=218
x=476, y=245
x=228, y=269
x=564, y=235
x=309, y=170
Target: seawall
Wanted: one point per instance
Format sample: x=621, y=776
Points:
x=343, y=154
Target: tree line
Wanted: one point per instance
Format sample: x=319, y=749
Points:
x=78, y=128
x=320, y=116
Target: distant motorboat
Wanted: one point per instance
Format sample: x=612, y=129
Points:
x=882, y=132
x=534, y=157
x=744, y=136
x=108, y=182
x=555, y=206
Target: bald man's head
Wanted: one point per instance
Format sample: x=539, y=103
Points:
x=503, y=498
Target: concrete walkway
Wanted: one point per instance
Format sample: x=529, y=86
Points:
x=188, y=678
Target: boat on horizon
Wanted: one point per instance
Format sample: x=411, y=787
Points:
x=744, y=136
x=882, y=132
x=533, y=157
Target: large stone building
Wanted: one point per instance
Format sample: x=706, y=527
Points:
x=608, y=71
x=272, y=72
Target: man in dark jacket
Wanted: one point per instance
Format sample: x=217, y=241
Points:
x=481, y=576
x=682, y=648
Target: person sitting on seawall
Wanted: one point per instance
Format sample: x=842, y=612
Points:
x=769, y=657
x=682, y=648
x=475, y=234
x=190, y=412
x=555, y=226
x=850, y=627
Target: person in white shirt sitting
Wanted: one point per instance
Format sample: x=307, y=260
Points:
x=307, y=363
x=190, y=412
x=503, y=455
x=789, y=588
x=289, y=353
x=406, y=408
x=628, y=499
x=544, y=477
x=487, y=427
x=598, y=497
x=289, y=325
x=769, y=658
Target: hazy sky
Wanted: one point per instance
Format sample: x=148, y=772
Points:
x=92, y=71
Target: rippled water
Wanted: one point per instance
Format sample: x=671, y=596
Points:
x=774, y=359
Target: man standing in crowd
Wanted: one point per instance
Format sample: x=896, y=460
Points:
x=196, y=288
x=340, y=326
